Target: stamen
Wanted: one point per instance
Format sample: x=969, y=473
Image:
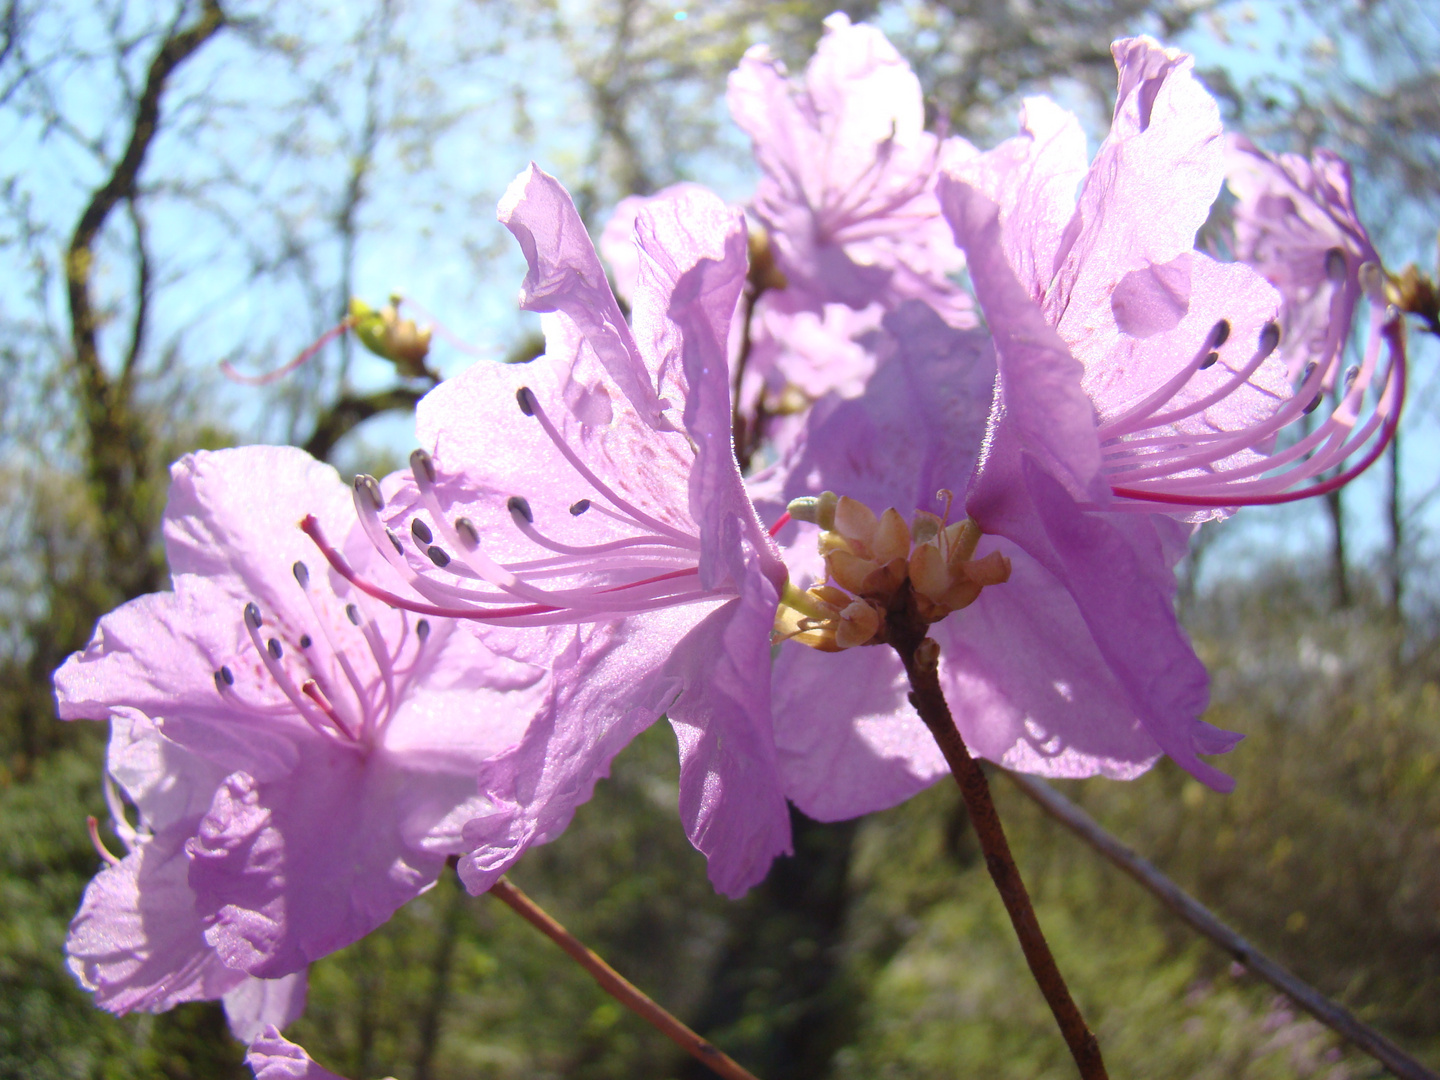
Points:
x=421, y=531
x=422, y=462
x=224, y=678
x=273, y=647
x=422, y=629
x=92, y=826
x=438, y=556
x=465, y=529
x=394, y=540
x=520, y=508
x=527, y=398
x=578, y=508
x=1335, y=265
x=252, y=616
x=305, y=641
x=369, y=488
x=302, y=574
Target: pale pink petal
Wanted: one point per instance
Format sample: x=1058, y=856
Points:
x=257, y=1004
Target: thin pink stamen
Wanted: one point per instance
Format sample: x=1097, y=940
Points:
x=1395, y=390
x=279, y=373
x=92, y=826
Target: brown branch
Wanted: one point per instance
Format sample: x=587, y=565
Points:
x=1333, y=1016
x=118, y=442
x=617, y=986
x=921, y=658
x=351, y=411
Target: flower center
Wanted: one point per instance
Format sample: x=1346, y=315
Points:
x=344, y=679
x=875, y=565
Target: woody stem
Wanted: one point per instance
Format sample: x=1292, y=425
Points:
x=617, y=986
x=921, y=659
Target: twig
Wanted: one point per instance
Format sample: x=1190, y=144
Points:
x=1333, y=1016
x=617, y=986
x=921, y=664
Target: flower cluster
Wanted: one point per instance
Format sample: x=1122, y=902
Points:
x=348, y=684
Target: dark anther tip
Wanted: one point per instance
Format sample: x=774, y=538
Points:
x=421, y=531
x=1351, y=374
x=352, y=613
x=305, y=641
x=519, y=507
x=252, y=615
x=1335, y=265
x=1210, y=359
x=274, y=646
x=1314, y=404
x=369, y=487
x=438, y=556
x=468, y=533
x=395, y=541
x=422, y=629
x=578, y=508
x=526, y=400
x=421, y=463
x=223, y=678
x=302, y=574
x=1220, y=334
x=1269, y=338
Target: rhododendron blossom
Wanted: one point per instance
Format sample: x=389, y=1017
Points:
x=302, y=759
x=1132, y=367
x=592, y=497
x=847, y=193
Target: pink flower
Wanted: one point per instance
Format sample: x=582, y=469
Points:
x=1295, y=223
x=1135, y=373
x=848, y=191
x=302, y=760
x=587, y=509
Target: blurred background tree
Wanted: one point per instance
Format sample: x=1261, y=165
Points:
x=191, y=182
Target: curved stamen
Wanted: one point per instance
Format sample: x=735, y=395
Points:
x=530, y=405
x=1262, y=492
x=628, y=597
x=301, y=702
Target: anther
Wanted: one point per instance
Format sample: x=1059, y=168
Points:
x=1335, y=265
x=369, y=487
x=420, y=531
x=1269, y=338
x=395, y=541
x=438, y=556
x=469, y=535
x=224, y=678
x=520, y=508
x=302, y=574
x=1220, y=333
x=275, y=650
x=422, y=629
x=578, y=508
x=1209, y=360
x=422, y=462
x=353, y=614
x=252, y=615
x=1309, y=370
x=526, y=400
x=1314, y=404
x=1351, y=374
x=305, y=641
